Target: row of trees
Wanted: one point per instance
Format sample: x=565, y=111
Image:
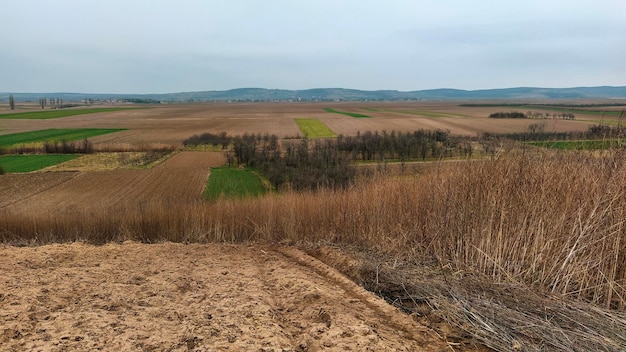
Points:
x=508, y=115
x=547, y=115
x=536, y=132
x=531, y=114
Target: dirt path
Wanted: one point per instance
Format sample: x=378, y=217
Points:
x=173, y=297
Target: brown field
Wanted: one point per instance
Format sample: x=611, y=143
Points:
x=178, y=180
x=462, y=221
x=171, y=124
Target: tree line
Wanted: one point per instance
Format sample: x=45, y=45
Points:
x=531, y=114
x=535, y=132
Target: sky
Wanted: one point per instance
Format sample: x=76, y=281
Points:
x=158, y=46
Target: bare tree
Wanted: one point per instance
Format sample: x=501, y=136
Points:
x=11, y=102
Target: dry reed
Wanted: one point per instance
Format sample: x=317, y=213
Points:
x=553, y=221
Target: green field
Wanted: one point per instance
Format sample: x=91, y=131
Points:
x=314, y=128
x=53, y=135
x=55, y=114
x=27, y=163
x=600, y=144
x=351, y=114
x=233, y=183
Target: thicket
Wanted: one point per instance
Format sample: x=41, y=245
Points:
x=298, y=165
x=508, y=115
x=329, y=163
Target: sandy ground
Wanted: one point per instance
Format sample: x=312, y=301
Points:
x=174, y=297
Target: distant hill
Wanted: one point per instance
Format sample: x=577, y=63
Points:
x=340, y=94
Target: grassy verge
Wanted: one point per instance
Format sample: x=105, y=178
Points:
x=52, y=135
x=314, y=128
x=28, y=163
x=55, y=114
x=351, y=114
x=231, y=182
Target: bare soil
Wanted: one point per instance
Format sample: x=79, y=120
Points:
x=179, y=179
x=174, y=297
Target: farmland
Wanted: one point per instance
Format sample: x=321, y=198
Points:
x=55, y=114
x=522, y=238
x=27, y=163
x=351, y=114
x=52, y=135
x=314, y=128
x=232, y=182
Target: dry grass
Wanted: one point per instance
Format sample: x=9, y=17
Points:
x=544, y=229
x=555, y=221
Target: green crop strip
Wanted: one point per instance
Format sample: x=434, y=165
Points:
x=233, y=183
x=55, y=114
x=601, y=144
x=53, y=135
x=28, y=163
x=351, y=114
x=314, y=128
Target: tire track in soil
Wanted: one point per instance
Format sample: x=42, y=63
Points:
x=367, y=306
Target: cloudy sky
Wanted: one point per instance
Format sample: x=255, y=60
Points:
x=159, y=46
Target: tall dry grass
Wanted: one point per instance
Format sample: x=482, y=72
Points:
x=554, y=221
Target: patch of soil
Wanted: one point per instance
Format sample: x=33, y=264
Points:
x=174, y=297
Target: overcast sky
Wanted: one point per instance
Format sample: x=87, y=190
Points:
x=158, y=46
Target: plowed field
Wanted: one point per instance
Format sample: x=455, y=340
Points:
x=180, y=179
x=172, y=124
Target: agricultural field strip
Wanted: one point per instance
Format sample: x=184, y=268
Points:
x=55, y=114
x=28, y=163
x=19, y=187
x=351, y=114
x=587, y=144
x=55, y=135
x=179, y=179
x=561, y=109
x=314, y=128
x=429, y=114
x=232, y=182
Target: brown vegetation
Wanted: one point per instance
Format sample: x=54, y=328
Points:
x=515, y=250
